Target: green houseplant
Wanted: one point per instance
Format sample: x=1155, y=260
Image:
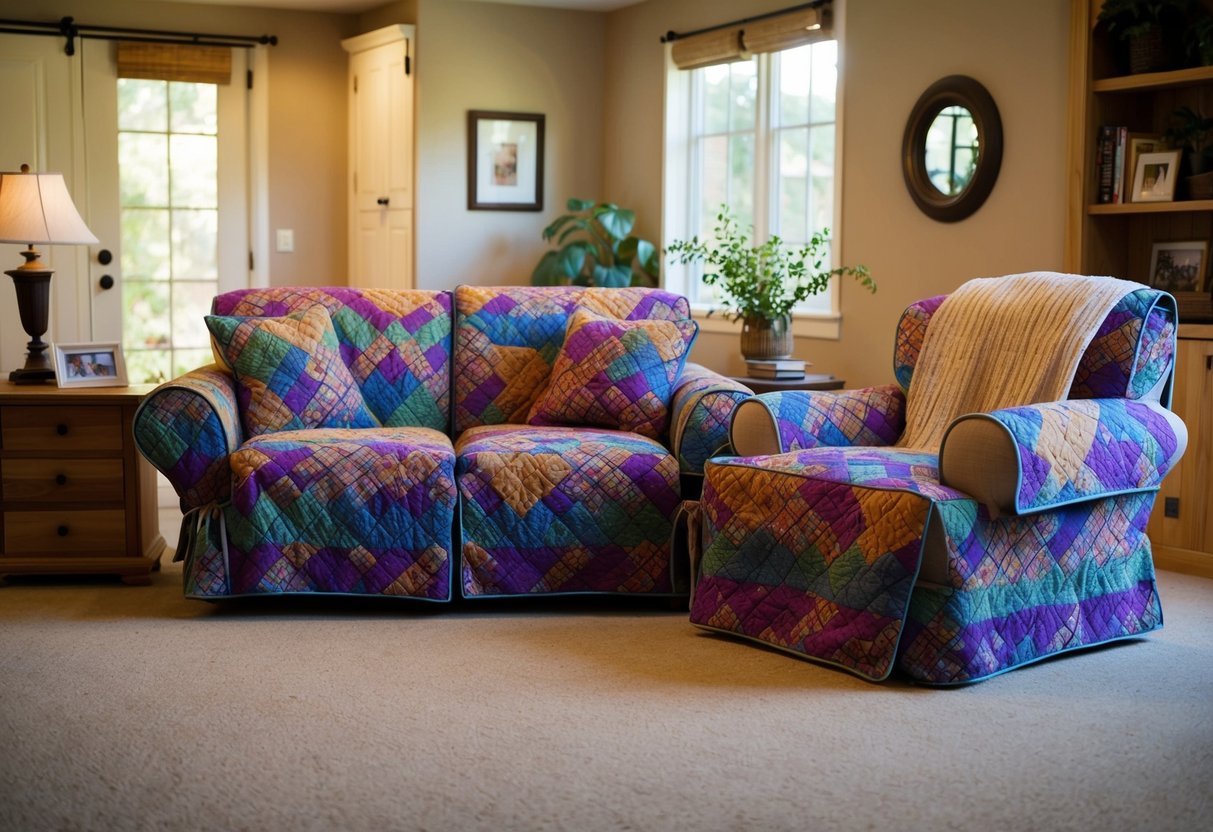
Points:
x=761, y=284
x=596, y=248
x=1192, y=131
x=1150, y=29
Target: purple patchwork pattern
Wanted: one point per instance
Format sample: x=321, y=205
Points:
x=344, y=511
x=565, y=510
x=186, y=428
x=396, y=343
x=871, y=416
x=507, y=338
x=700, y=414
x=1079, y=450
x=1018, y=589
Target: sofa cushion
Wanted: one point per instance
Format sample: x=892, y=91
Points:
x=615, y=374
x=289, y=373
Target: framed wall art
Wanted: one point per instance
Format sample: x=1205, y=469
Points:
x=505, y=161
x=1155, y=176
x=1180, y=266
x=90, y=365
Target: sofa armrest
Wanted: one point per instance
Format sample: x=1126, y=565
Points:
x=1037, y=457
x=187, y=428
x=702, y=405
x=796, y=420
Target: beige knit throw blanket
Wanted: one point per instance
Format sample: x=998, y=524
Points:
x=1004, y=342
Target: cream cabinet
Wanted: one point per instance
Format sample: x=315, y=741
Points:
x=380, y=201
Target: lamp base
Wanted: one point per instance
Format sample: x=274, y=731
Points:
x=30, y=375
x=33, y=285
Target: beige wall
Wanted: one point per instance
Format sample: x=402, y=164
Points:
x=307, y=105
x=486, y=56
x=893, y=51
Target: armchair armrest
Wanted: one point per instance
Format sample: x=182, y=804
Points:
x=699, y=416
x=187, y=428
x=796, y=420
x=1029, y=459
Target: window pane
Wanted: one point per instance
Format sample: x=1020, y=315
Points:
x=793, y=221
x=744, y=94
x=741, y=179
x=143, y=169
x=193, y=108
x=715, y=85
x=145, y=244
x=194, y=171
x=186, y=360
x=144, y=367
x=793, y=71
x=195, y=244
x=825, y=81
x=142, y=105
x=146, y=325
x=714, y=179
x=821, y=170
x=189, y=324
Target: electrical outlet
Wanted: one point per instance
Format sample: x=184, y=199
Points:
x=1170, y=507
x=286, y=239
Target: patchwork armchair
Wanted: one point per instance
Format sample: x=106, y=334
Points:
x=508, y=441
x=987, y=511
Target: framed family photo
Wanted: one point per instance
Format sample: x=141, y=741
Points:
x=1155, y=175
x=505, y=161
x=90, y=365
x=1180, y=266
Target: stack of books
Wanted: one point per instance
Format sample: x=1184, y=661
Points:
x=1117, y=152
x=775, y=368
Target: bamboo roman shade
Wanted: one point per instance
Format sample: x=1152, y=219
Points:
x=738, y=41
x=175, y=62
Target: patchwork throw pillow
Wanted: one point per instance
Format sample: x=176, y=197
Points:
x=615, y=374
x=289, y=372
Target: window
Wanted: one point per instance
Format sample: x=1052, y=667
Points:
x=756, y=135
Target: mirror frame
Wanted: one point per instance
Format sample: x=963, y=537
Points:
x=968, y=93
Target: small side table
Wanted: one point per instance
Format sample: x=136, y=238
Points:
x=811, y=381
x=75, y=495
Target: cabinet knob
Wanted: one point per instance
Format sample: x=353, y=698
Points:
x=105, y=257
x=61, y=479
x=61, y=429
x=383, y=200
x=63, y=530
x=106, y=282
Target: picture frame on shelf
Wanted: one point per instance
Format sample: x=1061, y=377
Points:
x=1155, y=176
x=505, y=161
x=1181, y=266
x=97, y=364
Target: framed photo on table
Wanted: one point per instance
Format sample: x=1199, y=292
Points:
x=1180, y=266
x=90, y=365
x=1155, y=176
x=505, y=161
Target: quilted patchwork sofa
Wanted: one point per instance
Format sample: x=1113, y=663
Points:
x=987, y=511
x=512, y=440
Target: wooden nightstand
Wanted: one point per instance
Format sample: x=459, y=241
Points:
x=75, y=495
x=811, y=381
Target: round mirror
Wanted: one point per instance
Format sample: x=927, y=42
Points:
x=952, y=148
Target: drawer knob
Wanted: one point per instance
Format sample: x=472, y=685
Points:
x=61, y=429
x=61, y=479
x=63, y=530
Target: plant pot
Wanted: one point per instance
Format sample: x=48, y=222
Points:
x=763, y=338
x=1148, y=51
x=1200, y=186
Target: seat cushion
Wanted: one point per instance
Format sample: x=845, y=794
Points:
x=565, y=510
x=345, y=511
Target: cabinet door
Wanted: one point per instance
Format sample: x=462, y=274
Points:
x=1192, y=529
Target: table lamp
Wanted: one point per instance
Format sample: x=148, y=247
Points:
x=36, y=208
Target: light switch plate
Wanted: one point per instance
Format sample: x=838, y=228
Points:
x=286, y=239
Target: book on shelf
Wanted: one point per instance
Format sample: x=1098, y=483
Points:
x=1105, y=150
x=775, y=368
x=1119, y=188
x=776, y=375
x=1116, y=154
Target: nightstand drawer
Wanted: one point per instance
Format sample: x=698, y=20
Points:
x=61, y=480
x=61, y=429
x=101, y=532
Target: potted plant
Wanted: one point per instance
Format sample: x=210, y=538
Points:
x=760, y=285
x=1192, y=131
x=1150, y=29
x=596, y=248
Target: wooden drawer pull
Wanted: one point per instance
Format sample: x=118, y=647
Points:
x=61, y=429
x=63, y=530
x=61, y=479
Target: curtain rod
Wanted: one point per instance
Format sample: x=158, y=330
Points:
x=70, y=30
x=671, y=35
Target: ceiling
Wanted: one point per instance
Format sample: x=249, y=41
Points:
x=356, y=6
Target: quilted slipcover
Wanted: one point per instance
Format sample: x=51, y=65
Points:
x=861, y=557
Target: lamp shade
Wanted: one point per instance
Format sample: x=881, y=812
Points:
x=36, y=208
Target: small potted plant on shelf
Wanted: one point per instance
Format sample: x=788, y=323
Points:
x=596, y=248
x=1192, y=132
x=1151, y=29
x=760, y=285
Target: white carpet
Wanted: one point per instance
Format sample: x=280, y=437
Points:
x=131, y=708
